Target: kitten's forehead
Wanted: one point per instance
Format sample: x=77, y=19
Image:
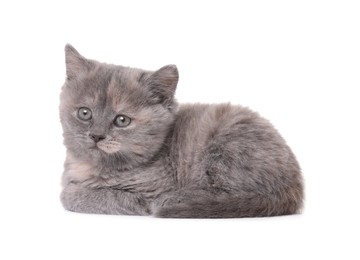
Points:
x=125, y=89
x=90, y=89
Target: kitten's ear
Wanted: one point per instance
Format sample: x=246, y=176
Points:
x=75, y=62
x=162, y=84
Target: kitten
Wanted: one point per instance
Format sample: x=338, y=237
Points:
x=132, y=150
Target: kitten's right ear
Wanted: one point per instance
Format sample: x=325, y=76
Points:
x=75, y=63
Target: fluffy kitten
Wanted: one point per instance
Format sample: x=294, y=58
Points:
x=132, y=150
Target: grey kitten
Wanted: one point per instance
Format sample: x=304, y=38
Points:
x=132, y=150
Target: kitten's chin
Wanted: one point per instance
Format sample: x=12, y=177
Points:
x=108, y=147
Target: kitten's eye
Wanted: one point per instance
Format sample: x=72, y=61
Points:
x=122, y=121
x=84, y=113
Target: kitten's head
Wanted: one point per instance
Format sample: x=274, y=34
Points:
x=113, y=113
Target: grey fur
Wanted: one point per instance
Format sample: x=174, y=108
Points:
x=187, y=161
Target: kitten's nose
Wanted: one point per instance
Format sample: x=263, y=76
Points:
x=96, y=137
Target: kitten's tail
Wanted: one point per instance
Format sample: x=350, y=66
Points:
x=232, y=208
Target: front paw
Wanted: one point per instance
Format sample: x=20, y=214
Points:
x=168, y=200
x=70, y=198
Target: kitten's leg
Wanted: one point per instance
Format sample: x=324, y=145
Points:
x=103, y=201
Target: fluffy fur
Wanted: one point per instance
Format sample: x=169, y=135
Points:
x=187, y=161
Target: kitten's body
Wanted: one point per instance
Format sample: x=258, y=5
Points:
x=187, y=161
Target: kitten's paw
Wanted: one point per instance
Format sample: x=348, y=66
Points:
x=69, y=197
x=168, y=200
x=165, y=203
x=169, y=207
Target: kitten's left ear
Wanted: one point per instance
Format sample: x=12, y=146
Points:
x=162, y=84
x=76, y=64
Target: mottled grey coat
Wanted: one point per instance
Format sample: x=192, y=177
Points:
x=187, y=161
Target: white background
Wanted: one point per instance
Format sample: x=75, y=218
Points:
x=295, y=62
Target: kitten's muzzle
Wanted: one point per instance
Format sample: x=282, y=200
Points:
x=96, y=137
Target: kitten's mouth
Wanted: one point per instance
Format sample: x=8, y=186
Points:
x=107, y=146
